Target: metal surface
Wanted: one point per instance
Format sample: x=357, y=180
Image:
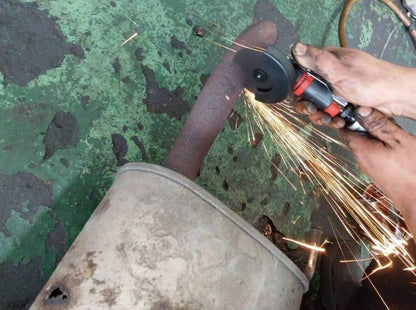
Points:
x=316, y=240
x=158, y=241
x=214, y=105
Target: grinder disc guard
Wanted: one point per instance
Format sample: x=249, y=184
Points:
x=269, y=74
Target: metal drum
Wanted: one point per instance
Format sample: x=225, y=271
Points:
x=158, y=241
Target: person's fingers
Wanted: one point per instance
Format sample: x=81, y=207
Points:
x=320, y=118
x=321, y=61
x=305, y=107
x=337, y=123
x=379, y=126
x=356, y=139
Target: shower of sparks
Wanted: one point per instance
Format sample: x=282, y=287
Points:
x=412, y=268
x=342, y=188
x=220, y=45
x=361, y=212
x=351, y=253
x=325, y=243
x=344, y=261
x=378, y=268
x=305, y=245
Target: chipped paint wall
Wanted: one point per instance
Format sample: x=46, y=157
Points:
x=70, y=119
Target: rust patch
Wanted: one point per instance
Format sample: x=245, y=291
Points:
x=89, y=268
x=31, y=42
x=162, y=100
x=274, y=167
x=286, y=208
x=110, y=296
x=62, y=133
x=140, y=145
x=178, y=44
x=120, y=148
x=121, y=248
x=198, y=31
x=98, y=282
x=90, y=254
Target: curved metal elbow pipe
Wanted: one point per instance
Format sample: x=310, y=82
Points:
x=214, y=104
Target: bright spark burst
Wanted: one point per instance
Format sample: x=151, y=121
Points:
x=331, y=175
x=411, y=268
x=342, y=188
x=129, y=39
x=351, y=253
x=306, y=245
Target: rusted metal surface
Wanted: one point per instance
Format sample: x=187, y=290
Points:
x=214, y=105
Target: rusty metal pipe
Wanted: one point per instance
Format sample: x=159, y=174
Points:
x=214, y=105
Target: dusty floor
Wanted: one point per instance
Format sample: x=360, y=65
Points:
x=75, y=105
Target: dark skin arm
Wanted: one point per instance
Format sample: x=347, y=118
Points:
x=359, y=78
x=387, y=158
x=386, y=153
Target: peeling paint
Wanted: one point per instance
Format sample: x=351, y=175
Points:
x=106, y=93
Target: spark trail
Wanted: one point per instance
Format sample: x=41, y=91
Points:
x=342, y=188
x=359, y=211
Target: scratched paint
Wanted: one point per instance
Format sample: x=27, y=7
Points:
x=107, y=97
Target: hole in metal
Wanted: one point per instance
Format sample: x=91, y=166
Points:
x=57, y=294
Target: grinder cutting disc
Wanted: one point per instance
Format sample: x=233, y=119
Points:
x=269, y=75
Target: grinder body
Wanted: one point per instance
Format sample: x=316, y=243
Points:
x=312, y=88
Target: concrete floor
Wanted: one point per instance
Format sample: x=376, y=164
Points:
x=76, y=105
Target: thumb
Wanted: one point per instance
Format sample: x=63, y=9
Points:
x=380, y=127
x=321, y=61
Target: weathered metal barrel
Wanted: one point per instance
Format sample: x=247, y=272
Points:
x=158, y=241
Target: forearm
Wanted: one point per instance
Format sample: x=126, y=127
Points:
x=405, y=89
x=410, y=220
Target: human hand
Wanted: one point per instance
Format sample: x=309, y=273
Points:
x=386, y=156
x=360, y=79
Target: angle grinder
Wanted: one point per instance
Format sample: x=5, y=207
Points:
x=272, y=77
